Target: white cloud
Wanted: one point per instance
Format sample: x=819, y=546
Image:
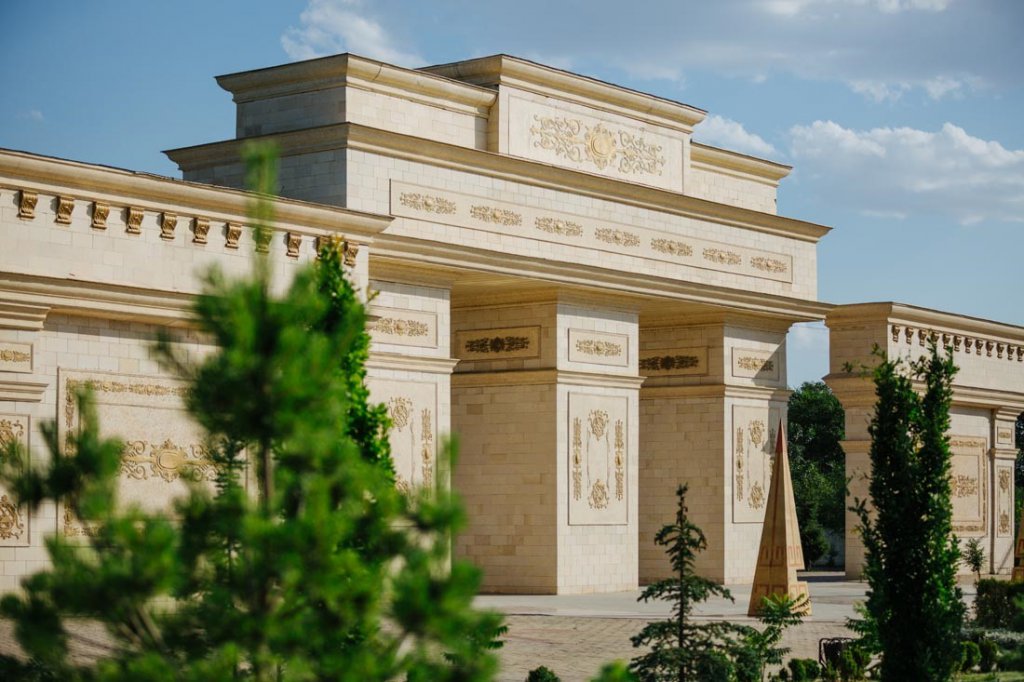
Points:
x=794, y=7
x=729, y=134
x=899, y=172
x=333, y=26
x=33, y=115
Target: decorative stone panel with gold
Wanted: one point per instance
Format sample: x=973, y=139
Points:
x=598, y=459
x=404, y=327
x=14, y=519
x=969, y=484
x=15, y=357
x=753, y=443
x=412, y=407
x=674, y=362
x=598, y=348
x=755, y=364
x=506, y=343
x=504, y=218
x=163, y=447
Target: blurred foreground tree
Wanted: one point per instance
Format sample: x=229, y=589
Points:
x=325, y=572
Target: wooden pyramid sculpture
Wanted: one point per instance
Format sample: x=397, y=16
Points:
x=780, y=555
x=1018, y=552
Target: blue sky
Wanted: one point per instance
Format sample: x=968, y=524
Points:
x=903, y=119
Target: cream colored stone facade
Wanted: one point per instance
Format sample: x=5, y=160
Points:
x=595, y=305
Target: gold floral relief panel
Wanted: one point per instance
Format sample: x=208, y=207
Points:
x=14, y=519
x=15, y=357
x=969, y=484
x=404, y=327
x=598, y=459
x=753, y=447
x=412, y=408
x=1004, y=501
x=164, y=449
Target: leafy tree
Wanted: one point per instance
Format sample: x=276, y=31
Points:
x=914, y=605
x=326, y=571
x=815, y=428
x=974, y=556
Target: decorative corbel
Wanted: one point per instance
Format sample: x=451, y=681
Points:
x=65, y=205
x=27, y=204
x=233, y=233
x=293, y=242
x=200, y=228
x=100, y=211
x=167, y=224
x=133, y=220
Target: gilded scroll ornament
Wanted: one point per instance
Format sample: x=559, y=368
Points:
x=232, y=233
x=755, y=364
x=964, y=486
x=672, y=247
x=11, y=526
x=558, y=226
x=722, y=257
x=577, y=458
x=665, y=363
x=756, y=495
x=100, y=213
x=498, y=216
x=133, y=220
x=167, y=460
x=200, y=229
x=10, y=432
x=597, y=422
x=498, y=344
x=571, y=139
x=598, y=498
x=11, y=355
x=73, y=385
x=1004, y=523
x=427, y=203
x=600, y=348
x=739, y=463
x=618, y=237
x=620, y=459
x=1004, y=479
x=768, y=264
x=757, y=432
x=292, y=243
x=427, y=447
x=394, y=326
x=168, y=222
x=400, y=411
x=27, y=204
x=65, y=206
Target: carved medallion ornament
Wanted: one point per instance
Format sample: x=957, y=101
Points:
x=565, y=228
x=597, y=144
x=169, y=461
x=498, y=344
x=672, y=247
x=597, y=460
x=498, y=216
x=722, y=256
x=427, y=203
x=768, y=264
x=672, y=363
x=618, y=237
x=753, y=460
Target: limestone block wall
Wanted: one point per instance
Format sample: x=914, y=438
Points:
x=987, y=397
x=545, y=406
x=713, y=185
x=410, y=372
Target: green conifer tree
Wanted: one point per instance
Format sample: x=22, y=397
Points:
x=325, y=572
x=914, y=609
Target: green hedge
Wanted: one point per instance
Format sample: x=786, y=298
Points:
x=994, y=605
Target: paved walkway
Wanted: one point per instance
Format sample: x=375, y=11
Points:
x=574, y=635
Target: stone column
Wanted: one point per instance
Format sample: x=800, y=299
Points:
x=1004, y=454
x=714, y=394
x=545, y=406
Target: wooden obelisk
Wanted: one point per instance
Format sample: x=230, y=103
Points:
x=780, y=555
x=1018, y=552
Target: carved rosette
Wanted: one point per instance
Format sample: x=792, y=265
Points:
x=427, y=203
x=667, y=363
x=498, y=216
x=565, y=228
x=722, y=256
x=599, y=348
x=498, y=344
x=100, y=213
x=65, y=206
x=768, y=264
x=617, y=237
x=672, y=247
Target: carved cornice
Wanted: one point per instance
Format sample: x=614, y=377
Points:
x=505, y=70
x=33, y=174
x=544, y=377
x=22, y=391
x=26, y=317
x=861, y=314
x=855, y=390
x=726, y=162
x=715, y=391
x=411, y=363
x=440, y=154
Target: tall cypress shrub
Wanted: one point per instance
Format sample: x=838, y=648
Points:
x=914, y=606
